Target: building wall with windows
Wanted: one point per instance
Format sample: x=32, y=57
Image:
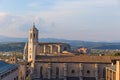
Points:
x=72, y=68
x=75, y=71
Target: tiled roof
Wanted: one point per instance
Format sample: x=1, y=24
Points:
x=2, y=64
x=78, y=59
x=59, y=55
x=4, y=67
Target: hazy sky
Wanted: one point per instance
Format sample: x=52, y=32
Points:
x=89, y=20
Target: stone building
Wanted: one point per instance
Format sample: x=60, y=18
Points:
x=8, y=71
x=84, y=50
x=72, y=67
x=113, y=71
x=34, y=48
x=54, y=61
x=52, y=48
x=12, y=60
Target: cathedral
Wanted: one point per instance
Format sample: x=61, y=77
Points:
x=55, y=61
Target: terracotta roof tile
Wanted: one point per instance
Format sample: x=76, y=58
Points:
x=78, y=59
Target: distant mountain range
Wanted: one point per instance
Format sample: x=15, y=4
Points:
x=12, y=39
x=17, y=44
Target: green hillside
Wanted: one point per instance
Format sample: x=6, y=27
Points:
x=6, y=47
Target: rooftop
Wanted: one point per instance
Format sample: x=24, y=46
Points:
x=77, y=59
x=5, y=67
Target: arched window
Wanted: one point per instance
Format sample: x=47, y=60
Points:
x=34, y=35
x=104, y=73
x=57, y=72
x=30, y=56
x=41, y=72
x=31, y=36
x=72, y=71
x=88, y=71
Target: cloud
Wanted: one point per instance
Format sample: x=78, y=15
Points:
x=71, y=19
x=34, y=5
x=3, y=14
x=18, y=26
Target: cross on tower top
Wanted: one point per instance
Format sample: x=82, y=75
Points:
x=33, y=25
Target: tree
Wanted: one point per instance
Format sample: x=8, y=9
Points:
x=117, y=54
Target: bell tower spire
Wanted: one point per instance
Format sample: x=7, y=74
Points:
x=32, y=44
x=33, y=25
x=33, y=34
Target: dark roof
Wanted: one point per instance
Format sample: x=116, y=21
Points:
x=52, y=56
x=2, y=64
x=78, y=59
x=4, y=67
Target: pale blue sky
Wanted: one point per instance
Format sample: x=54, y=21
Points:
x=90, y=20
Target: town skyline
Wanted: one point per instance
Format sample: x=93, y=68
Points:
x=67, y=19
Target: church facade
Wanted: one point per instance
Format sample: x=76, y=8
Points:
x=54, y=61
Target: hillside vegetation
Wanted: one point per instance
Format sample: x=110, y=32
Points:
x=19, y=46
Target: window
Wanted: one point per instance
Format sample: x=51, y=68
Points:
x=88, y=71
x=30, y=49
x=34, y=35
x=57, y=72
x=41, y=72
x=30, y=56
x=73, y=71
x=17, y=78
x=14, y=78
x=104, y=72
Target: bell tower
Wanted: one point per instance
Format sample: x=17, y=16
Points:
x=33, y=34
x=32, y=44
